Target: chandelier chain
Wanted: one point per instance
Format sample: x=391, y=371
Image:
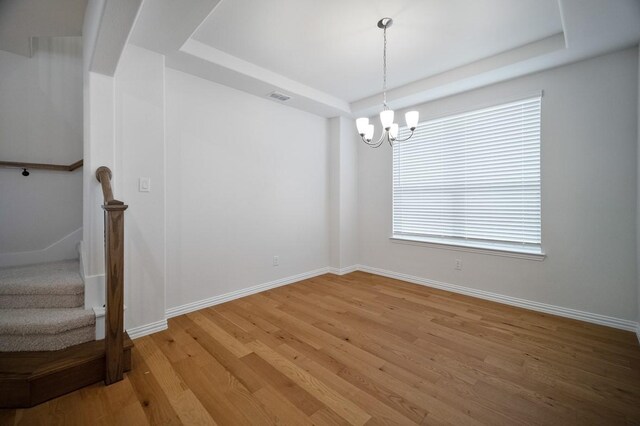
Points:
x=384, y=70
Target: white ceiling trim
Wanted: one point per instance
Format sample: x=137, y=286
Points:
x=116, y=22
x=315, y=100
x=471, y=76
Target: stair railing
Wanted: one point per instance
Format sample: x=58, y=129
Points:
x=114, y=272
x=42, y=166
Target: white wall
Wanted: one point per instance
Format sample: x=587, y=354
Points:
x=247, y=179
x=41, y=122
x=140, y=152
x=343, y=189
x=124, y=131
x=589, y=187
x=99, y=150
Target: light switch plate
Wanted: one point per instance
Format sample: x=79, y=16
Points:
x=144, y=184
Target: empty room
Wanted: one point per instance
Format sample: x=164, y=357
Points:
x=319, y=212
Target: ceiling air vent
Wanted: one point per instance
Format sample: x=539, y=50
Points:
x=279, y=96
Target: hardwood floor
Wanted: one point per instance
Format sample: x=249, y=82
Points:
x=363, y=349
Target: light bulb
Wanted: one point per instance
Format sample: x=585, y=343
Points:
x=412, y=119
x=368, y=134
x=386, y=118
x=361, y=124
x=393, y=131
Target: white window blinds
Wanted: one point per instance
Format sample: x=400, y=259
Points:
x=472, y=179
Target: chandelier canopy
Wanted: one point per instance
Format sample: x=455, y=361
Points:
x=389, y=128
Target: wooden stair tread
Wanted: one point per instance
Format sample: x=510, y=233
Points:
x=20, y=365
x=29, y=378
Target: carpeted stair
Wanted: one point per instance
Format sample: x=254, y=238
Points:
x=41, y=308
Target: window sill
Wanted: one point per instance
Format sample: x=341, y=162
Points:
x=449, y=245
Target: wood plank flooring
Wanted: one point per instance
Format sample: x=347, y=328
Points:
x=363, y=349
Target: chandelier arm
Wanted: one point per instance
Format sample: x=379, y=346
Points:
x=374, y=144
x=405, y=139
x=377, y=143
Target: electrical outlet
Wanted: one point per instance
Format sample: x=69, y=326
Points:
x=276, y=260
x=458, y=264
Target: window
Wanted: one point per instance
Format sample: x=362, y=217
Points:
x=472, y=179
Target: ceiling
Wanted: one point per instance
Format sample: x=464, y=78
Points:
x=327, y=54
x=335, y=45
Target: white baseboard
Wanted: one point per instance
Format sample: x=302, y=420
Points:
x=94, y=285
x=146, y=329
x=99, y=312
x=216, y=300
x=508, y=300
x=343, y=271
x=205, y=303
x=63, y=249
x=94, y=290
x=619, y=323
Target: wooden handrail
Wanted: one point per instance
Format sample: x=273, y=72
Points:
x=43, y=166
x=114, y=271
x=103, y=174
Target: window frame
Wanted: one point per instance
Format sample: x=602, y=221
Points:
x=496, y=249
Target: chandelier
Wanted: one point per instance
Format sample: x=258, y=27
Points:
x=389, y=128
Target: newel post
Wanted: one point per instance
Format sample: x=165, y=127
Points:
x=114, y=312
x=114, y=273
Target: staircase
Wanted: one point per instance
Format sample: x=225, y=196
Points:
x=47, y=338
x=41, y=308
